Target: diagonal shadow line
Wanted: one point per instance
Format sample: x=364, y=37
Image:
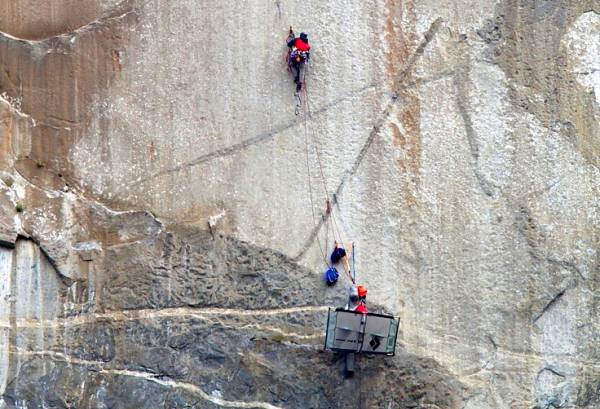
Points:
x=255, y=140
x=399, y=86
x=120, y=13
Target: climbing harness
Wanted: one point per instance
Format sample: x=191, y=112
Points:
x=298, y=56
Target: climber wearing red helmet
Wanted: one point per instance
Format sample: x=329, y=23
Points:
x=357, y=299
x=362, y=300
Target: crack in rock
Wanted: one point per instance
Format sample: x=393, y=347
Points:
x=145, y=314
x=12, y=107
x=462, y=103
x=92, y=25
x=550, y=304
x=553, y=371
x=148, y=376
x=255, y=140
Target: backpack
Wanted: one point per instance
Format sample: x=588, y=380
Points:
x=331, y=276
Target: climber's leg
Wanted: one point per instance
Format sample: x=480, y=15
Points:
x=300, y=75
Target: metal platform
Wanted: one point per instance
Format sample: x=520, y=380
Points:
x=350, y=331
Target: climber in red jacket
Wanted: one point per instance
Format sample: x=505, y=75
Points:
x=357, y=299
x=298, y=56
x=362, y=296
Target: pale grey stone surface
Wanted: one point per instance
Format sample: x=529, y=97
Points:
x=162, y=168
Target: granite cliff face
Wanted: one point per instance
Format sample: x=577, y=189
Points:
x=159, y=249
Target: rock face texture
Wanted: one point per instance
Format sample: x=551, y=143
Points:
x=162, y=202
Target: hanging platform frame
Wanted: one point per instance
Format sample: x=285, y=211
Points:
x=354, y=332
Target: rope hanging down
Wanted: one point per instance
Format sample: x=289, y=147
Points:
x=310, y=191
x=329, y=211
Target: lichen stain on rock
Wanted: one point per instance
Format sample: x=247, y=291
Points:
x=402, y=41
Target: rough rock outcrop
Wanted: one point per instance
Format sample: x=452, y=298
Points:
x=160, y=249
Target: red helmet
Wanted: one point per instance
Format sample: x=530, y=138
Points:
x=362, y=291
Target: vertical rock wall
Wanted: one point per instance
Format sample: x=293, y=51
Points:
x=155, y=170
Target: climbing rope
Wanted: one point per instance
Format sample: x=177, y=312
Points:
x=329, y=208
x=310, y=193
x=336, y=230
